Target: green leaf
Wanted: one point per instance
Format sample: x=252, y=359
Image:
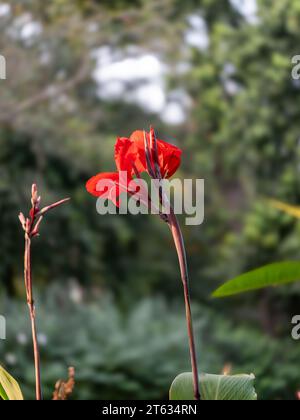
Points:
x=3, y=394
x=271, y=275
x=214, y=387
x=9, y=387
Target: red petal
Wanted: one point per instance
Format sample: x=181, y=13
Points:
x=123, y=154
x=137, y=137
x=169, y=156
x=106, y=185
x=128, y=153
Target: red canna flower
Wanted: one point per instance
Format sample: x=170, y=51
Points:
x=132, y=157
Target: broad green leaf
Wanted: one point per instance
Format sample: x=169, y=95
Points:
x=9, y=387
x=286, y=208
x=271, y=275
x=214, y=387
x=3, y=394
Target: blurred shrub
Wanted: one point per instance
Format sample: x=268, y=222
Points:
x=117, y=355
x=273, y=360
x=136, y=353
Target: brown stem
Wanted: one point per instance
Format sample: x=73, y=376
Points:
x=31, y=227
x=180, y=248
x=30, y=302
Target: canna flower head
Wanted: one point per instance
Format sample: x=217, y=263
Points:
x=141, y=152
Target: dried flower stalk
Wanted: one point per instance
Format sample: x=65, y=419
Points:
x=31, y=226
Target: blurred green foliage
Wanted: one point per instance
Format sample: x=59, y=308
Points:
x=241, y=134
x=130, y=355
x=136, y=354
